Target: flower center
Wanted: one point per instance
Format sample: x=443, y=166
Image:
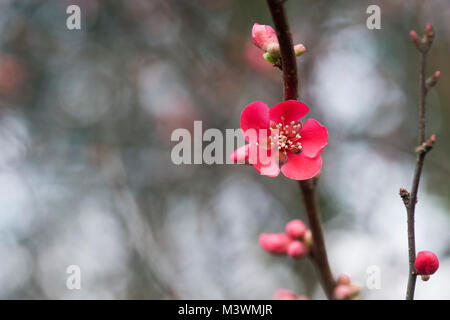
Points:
x=286, y=136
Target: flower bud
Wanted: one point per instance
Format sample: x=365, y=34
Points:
x=285, y=294
x=307, y=238
x=299, y=49
x=414, y=36
x=295, y=228
x=342, y=292
x=426, y=263
x=264, y=36
x=297, y=249
x=274, y=242
x=344, y=279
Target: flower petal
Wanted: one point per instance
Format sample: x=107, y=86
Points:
x=290, y=110
x=265, y=161
x=314, y=138
x=240, y=155
x=263, y=36
x=254, y=117
x=301, y=167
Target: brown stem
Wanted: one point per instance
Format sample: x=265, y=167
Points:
x=319, y=252
x=308, y=187
x=288, y=62
x=423, y=148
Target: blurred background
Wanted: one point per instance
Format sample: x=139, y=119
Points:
x=86, y=176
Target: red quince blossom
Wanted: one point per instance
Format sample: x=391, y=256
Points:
x=277, y=138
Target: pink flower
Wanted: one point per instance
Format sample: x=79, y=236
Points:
x=274, y=242
x=277, y=137
x=295, y=228
x=297, y=249
x=426, y=263
x=264, y=37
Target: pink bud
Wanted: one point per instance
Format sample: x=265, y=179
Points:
x=437, y=74
x=295, y=228
x=297, y=249
x=344, y=279
x=342, y=292
x=307, y=238
x=285, y=294
x=414, y=36
x=274, y=242
x=299, y=49
x=264, y=36
x=426, y=263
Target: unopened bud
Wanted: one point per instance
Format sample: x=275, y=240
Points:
x=295, y=229
x=414, y=36
x=431, y=81
x=344, y=279
x=308, y=238
x=429, y=30
x=285, y=294
x=299, y=49
x=342, y=292
x=263, y=36
x=297, y=249
x=274, y=242
x=426, y=263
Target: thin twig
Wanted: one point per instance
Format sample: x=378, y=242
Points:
x=424, y=146
x=307, y=187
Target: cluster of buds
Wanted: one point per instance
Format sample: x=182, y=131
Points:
x=426, y=264
x=285, y=294
x=265, y=38
x=345, y=289
x=295, y=242
x=423, y=43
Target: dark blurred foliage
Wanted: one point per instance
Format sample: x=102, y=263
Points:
x=86, y=118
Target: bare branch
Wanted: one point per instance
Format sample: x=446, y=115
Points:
x=424, y=146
